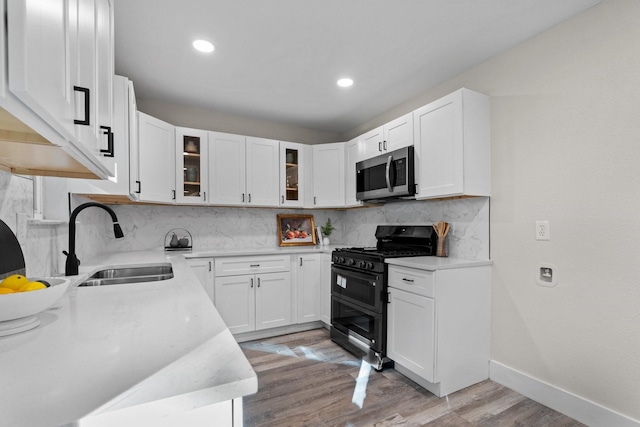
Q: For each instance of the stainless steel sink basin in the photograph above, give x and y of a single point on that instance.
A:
(117, 276)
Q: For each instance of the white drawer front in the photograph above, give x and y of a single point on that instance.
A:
(233, 266)
(419, 282)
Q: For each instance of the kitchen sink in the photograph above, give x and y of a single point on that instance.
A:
(122, 275)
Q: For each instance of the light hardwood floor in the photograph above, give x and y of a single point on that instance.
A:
(305, 379)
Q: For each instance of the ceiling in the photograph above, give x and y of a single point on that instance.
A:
(279, 60)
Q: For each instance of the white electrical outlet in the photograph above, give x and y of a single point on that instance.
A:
(542, 230)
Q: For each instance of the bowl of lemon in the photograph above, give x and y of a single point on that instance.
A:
(21, 299)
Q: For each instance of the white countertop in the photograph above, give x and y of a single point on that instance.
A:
(111, 347)
(433, 263)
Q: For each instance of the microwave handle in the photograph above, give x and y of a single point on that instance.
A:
(388, 174)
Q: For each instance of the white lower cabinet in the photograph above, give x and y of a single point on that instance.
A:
(249, 302)
(438, 326)
(203, 268)
(309, 288)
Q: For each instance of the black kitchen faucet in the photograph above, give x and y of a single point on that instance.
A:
(71, 266)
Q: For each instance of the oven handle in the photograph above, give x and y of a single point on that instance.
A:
(375, 277)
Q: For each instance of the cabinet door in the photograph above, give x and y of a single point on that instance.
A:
(119, 183)
(105, 71)
(372, 143)
(398, 133)
(328, 175)
(191, 177)
(292, 169)
(227, 176)
(439, 147)
(156, 150)
(203, 268)
(235, 301)
(352, 153)
(83, 12)
(411, 332)
(40, 45)
(273, 300)
(325, 289)
(263, 172)
(309, 288)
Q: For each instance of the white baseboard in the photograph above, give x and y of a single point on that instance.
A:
(576, 407)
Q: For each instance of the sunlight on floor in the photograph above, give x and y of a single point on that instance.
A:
(360, 390)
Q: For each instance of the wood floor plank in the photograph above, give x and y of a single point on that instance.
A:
(305, 379)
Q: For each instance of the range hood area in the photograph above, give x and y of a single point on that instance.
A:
(25, 151)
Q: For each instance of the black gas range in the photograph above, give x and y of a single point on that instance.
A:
(359, 288)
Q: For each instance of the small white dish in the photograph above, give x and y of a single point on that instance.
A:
(24, 304)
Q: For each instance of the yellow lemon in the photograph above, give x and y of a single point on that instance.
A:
(6, 291)
(14, 282)
(32, 286)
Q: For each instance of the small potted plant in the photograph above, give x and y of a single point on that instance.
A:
(326, 229)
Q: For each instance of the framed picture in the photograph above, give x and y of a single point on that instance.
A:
(296, 230)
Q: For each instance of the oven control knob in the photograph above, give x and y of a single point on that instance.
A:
(362, 264)
(340, 260)
(350, 262)
(335, 259)
(369, 266)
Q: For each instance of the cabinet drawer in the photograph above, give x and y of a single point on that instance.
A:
(233, 266)
(420, 282)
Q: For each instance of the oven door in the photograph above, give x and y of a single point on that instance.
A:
(366, 327)
(363, 288)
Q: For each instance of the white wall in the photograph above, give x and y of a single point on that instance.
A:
(202, 118)
(565, 123)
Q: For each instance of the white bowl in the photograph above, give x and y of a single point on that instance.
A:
(23, 304)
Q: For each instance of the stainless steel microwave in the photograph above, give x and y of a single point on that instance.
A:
(389, 175)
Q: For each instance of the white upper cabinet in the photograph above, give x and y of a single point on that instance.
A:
(328, 175)
(396, 134)
(352, 156)
(60, 66)
(243, 170)
(452, 146)
(156, 165)
(263, 160)
(292, 172)
(191, 156)
(118, 184)
(226, 169)
(41, 44)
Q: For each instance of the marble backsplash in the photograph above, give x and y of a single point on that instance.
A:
(42, 243)
(145, 226)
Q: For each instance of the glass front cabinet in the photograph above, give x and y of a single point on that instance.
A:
(191, 158)
(291, 174)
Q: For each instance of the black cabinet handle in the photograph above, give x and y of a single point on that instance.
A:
(139, 187)
(174, 194)
(242, 197)
(87, 111)
(282, 199)
(258, 282)
(380, 146)
(300, 261)
(249, 197)
(109, 151)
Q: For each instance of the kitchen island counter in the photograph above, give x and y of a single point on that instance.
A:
(156, 347)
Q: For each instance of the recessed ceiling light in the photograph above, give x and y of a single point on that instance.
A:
(203, 46)
(346, 82)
